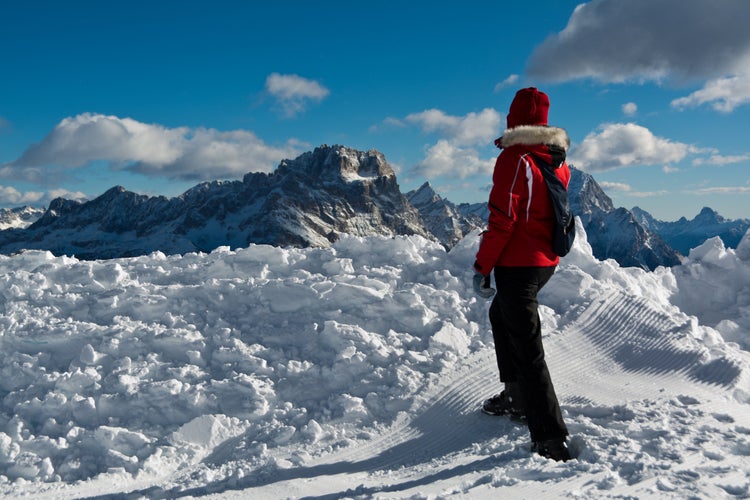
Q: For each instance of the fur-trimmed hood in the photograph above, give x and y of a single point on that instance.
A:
(530, 135)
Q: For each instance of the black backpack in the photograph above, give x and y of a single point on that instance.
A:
(565, 224)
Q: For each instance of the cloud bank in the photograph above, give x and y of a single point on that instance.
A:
(153, 150)
(616, 41)
(681, 41)
(293, 92)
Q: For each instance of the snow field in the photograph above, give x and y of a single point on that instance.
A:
(105, 362)
(295, 372)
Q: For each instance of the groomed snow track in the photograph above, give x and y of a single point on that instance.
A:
(447, 445)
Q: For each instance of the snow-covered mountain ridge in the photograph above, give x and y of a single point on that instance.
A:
(311, 201)
(308, 201)
(19, 217)
(684, 235)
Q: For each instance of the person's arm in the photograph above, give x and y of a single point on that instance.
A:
(503, 206)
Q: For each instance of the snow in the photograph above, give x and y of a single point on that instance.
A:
(357, 371)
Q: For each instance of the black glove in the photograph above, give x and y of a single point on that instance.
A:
(482, 286)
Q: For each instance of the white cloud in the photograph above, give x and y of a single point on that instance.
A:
(154, 150)
(293, 92)
(511, 80)
(638, 40)
(388, 123)
(454, 153)
(722, 190)
(647, 194)
(625, 190)
(723, 94)
(471, 129)
(10, 196)
(721, 160)
(614, 186)
(617, 145)
(630, 108)
(446, 158)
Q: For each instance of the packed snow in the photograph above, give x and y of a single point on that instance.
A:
(358, 370)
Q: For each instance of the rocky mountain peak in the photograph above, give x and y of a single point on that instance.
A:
(589, 195)
(424, 195)
(708, 216)
(338, 163)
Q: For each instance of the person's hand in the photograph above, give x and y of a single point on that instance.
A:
(482, 286)
(499, 142)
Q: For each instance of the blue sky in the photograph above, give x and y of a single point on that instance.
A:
(158, 96)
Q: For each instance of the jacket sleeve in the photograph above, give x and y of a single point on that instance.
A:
(503, 205)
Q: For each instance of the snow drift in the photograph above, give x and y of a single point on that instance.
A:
(356, 370)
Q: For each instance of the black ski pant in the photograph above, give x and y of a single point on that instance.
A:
(517, 332)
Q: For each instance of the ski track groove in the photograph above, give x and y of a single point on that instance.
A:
(618, 326)
(446, 419)
(441, 428)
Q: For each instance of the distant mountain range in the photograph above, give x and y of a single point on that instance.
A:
(310, 201)
(682, 235)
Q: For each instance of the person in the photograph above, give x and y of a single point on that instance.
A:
(517, 247)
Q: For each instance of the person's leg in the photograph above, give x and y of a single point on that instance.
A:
(517, 308)
(505, 365)
(509, 402)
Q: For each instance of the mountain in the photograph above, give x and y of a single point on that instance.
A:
(311, 201)
(616, 233)
(307, 201)
(448, 222)
(19, 217)
(683, 235)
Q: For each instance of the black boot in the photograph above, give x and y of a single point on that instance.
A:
(556, 449)
(510, 402)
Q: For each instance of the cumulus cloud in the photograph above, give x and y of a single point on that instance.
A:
(471, 129)
(455, 152)
(446, 158)
(639, 40)
(11, 196)
(617, 145)
(293, 92)
(154, 150)
(722, 94)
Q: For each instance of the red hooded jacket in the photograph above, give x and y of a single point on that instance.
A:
(521, 220)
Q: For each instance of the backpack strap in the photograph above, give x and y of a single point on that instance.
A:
(564, 233)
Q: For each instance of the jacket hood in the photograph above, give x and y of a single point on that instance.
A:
(550, 143)
(529, 135)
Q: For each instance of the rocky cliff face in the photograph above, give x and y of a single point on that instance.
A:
(445, 220)
(20, 217)
(615, 233)
(308, 201)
